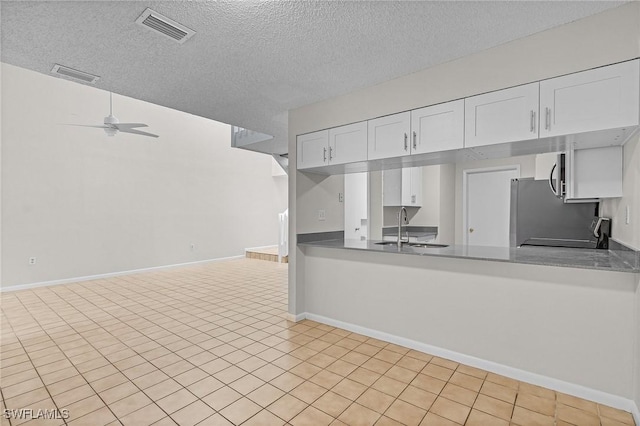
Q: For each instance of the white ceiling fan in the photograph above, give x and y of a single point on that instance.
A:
(112, 125)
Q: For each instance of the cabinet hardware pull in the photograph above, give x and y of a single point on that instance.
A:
(405, 142)
(330, 153)
(547, 118)
(533, 121)
(415, 140)
(324, 154)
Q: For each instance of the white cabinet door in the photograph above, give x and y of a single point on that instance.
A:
(313, 149)
(348, 144)
(389, 136)
(438, 127)
(594, 173)
(508, 115)
(402, 187)
(602, 98)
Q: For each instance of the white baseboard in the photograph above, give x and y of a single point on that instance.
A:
(260, 248)
(296, 318)
(504, 370)
(636, 413)
(110, 274)
(625, 244)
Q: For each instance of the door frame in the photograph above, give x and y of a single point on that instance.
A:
(465, 188)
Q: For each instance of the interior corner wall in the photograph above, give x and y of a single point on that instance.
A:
(319, 192)
(616, 208)
(86, 204)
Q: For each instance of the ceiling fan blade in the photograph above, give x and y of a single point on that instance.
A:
(86, 125)
(138, 132)
(130, 125)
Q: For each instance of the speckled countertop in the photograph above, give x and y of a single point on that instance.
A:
(607, 260)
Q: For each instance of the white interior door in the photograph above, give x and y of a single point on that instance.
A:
(486, 213)
(356, 206)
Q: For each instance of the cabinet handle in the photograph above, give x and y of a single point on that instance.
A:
(547, 118)
(330, 153)
(405, 142)
(415, 140)
(324, 154)
(533, 121)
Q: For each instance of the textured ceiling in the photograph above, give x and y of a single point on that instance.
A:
(250, 62)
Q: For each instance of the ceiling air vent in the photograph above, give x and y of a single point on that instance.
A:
(165, 26)
(74, 74)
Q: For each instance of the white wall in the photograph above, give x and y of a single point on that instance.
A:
(572, 325)
(84, 203)
(376, 211)
(446, 225)
(637, 347)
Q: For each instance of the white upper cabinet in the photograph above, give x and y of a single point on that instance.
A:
(340, 145)
(389, 136)
(589, 109)
(504, 116)
(601, 98)
(593, 173)
(313, 149)
(438, 128)
(348, 144)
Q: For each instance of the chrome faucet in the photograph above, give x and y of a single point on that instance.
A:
(400, 220)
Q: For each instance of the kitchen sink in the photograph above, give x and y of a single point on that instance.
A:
(416, 245)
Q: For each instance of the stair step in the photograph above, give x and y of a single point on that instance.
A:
(269, 254)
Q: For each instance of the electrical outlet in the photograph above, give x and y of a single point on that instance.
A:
(32, 261)
(340, 197)
(322, 214)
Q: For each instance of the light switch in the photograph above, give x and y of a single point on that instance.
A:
(627, 215)
(322, 214)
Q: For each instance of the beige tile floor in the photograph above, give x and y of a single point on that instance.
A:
(209, 345)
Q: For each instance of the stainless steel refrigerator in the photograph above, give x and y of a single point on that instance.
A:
(539, 218)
